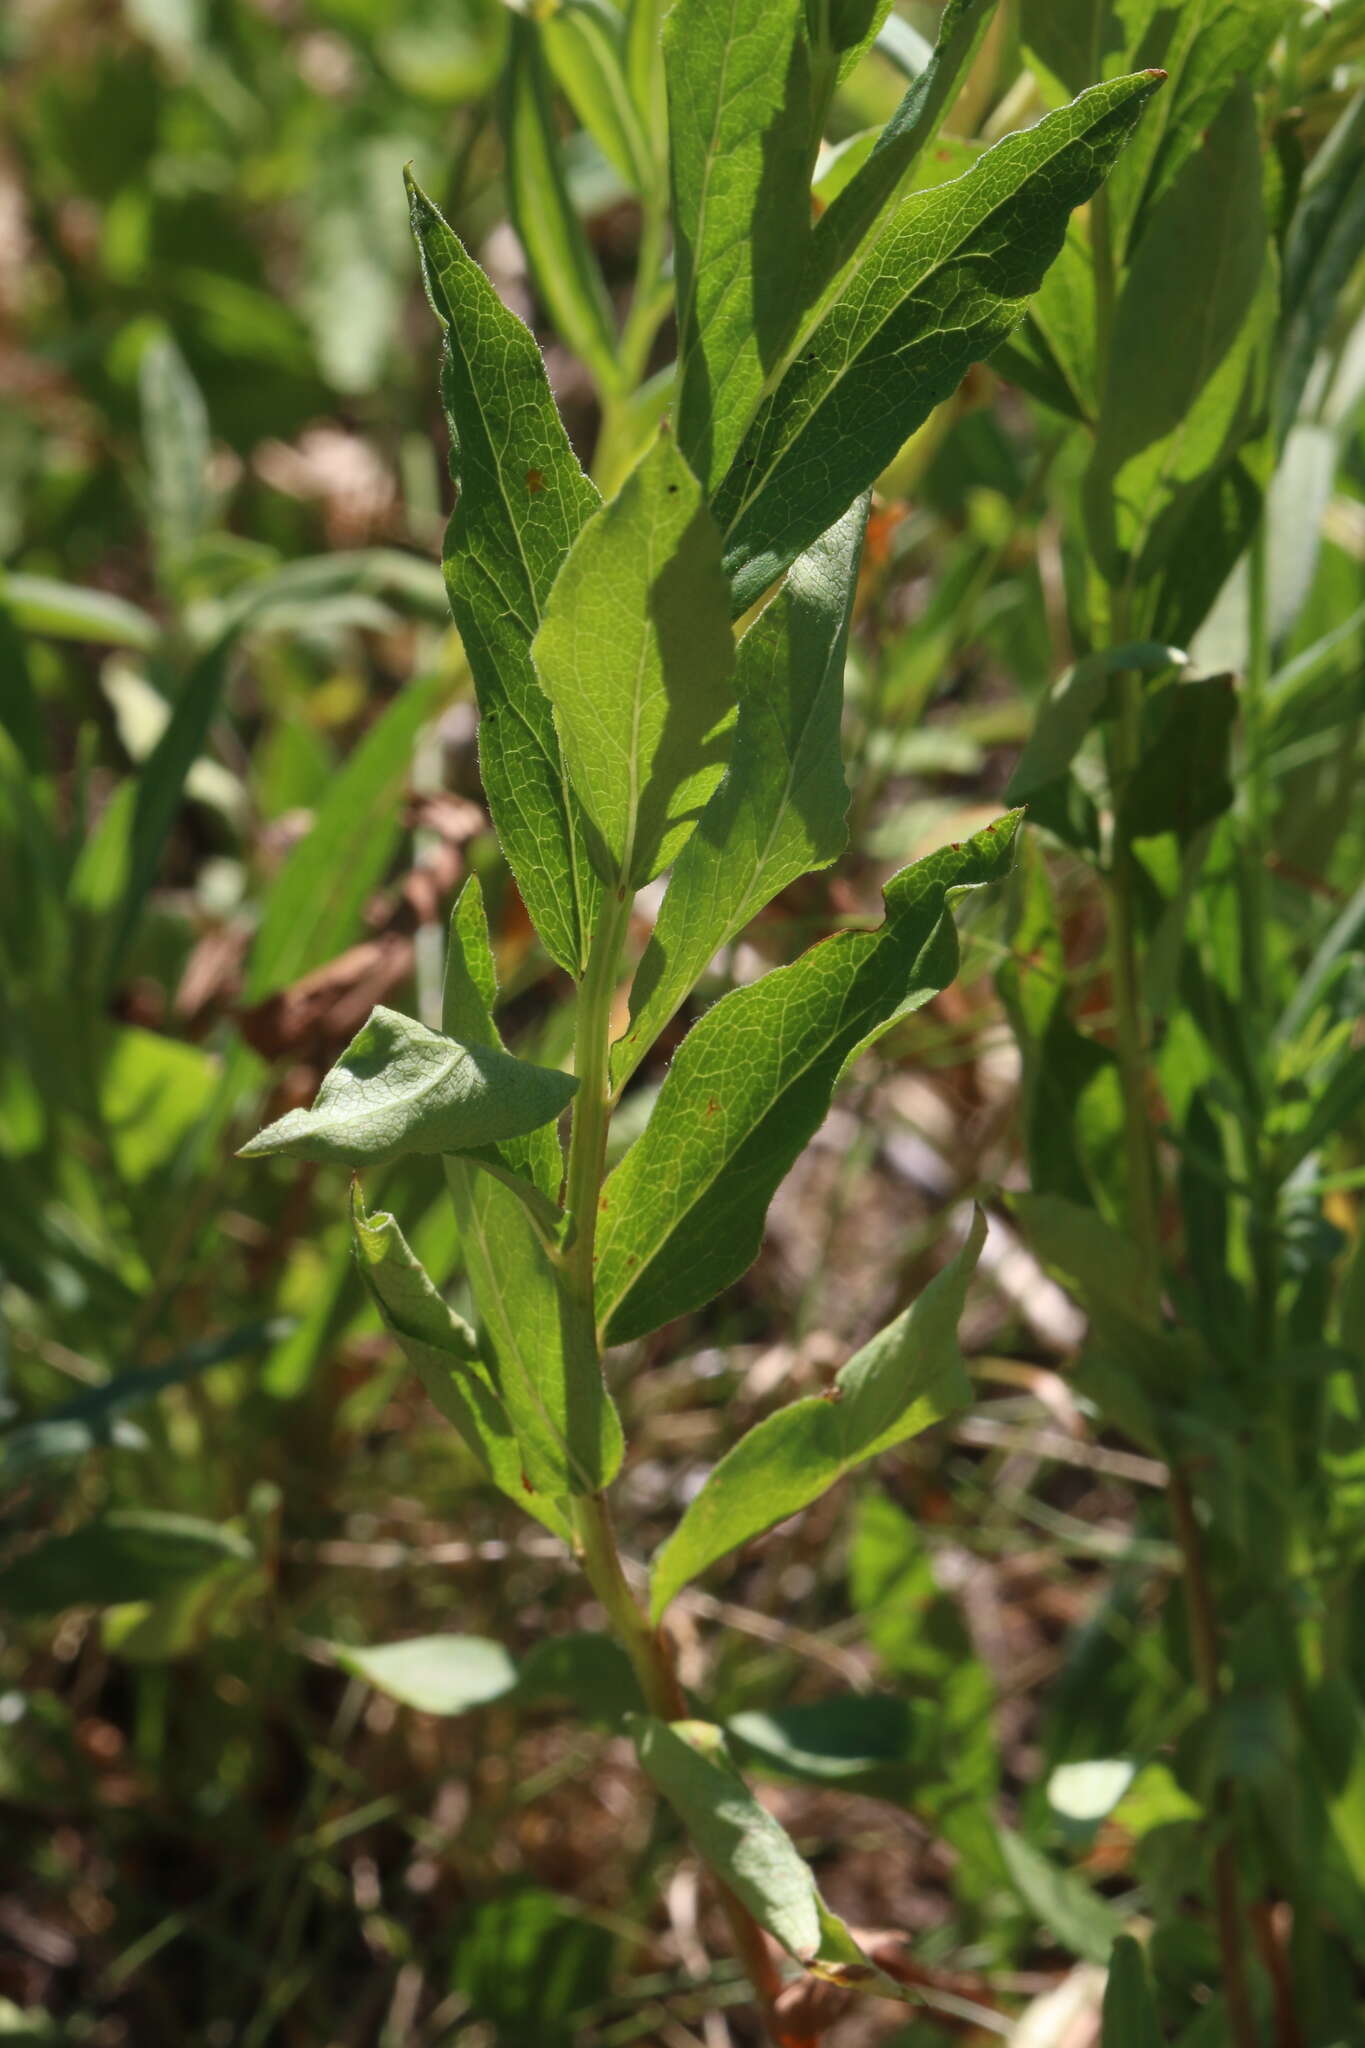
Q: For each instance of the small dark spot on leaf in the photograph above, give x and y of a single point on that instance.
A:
(526, 1484)
(955, 845)
(535, 481)
(672, 490)
(632, 1258)
(712, 1106)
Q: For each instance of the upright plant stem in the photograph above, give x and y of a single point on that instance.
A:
(1144, 1210)
(594, 1532)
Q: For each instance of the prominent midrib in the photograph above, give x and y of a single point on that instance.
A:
(728, 1156)
(839, 289)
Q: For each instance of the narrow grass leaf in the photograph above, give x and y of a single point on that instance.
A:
(635, 653)
(63, 611)
(910, 1376)
(175, 438)
(938, 286)
(780, 809)
(522, 501)
(682, 1216)
(313, 909)
(400, 1088)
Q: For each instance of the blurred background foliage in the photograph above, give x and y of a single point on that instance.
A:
(237, 789)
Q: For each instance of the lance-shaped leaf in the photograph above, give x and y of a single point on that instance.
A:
(444, 1353)
(549, 1380)
(936, 288)
(1185, 390)
(740, 133)
(635, 654)
(585, 41)
(780, 809)
(844, 224)
(682, 1216)
(910, 1376)
(400, 1088)
(1130, 2016)
(523, 499)
(749, 1851)
(563, 268)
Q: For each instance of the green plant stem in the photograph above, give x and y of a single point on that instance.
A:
(1143, 1207)
(1203, 1629)
(594, 1532)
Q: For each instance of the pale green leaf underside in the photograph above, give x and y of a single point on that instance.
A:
(443, 1351)
(400, 1088)
(434, 1674)
(936, 288)
(780, 810)
(908, 1377)
(522, 501)
(635, 655)
(749, 1851)
(682, 1216)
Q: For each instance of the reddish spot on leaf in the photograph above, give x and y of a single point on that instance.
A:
(534, 481)
(712, 1106)
(526, 1484)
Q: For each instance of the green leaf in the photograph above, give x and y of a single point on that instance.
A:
(400, 1088)
(175, 435)
(746, 1848)
(635, 653)
(1185, 390)
(751, 1854)
(845, 223)
(780, 810)
(550, 1381)
(1075, 1915)
(435, 1674)
(40, 604)
(1075, 707)
(740, 122)
(939, 286)
(682, 1216)
(523, 499)
(1182, 781)
(1321, 249)
(1130, 2018)
(585, 42)
(863, 1740)
(128, 1554)
(563, 268)
(93, 1418)
(313, 909)
(910, 1376)
(444, 1353)
(468, 1000)
(591, 1672)
(565, 1421)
